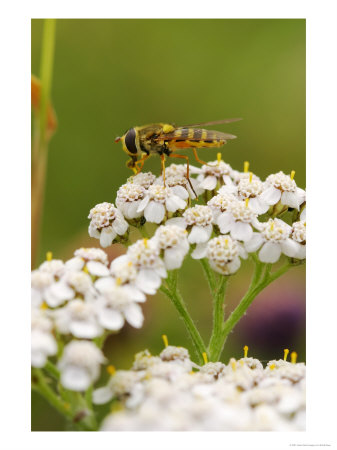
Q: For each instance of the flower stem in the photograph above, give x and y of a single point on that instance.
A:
(174, 295)
(45, 390)
(66, 407)
(46, 71)
(218, 314)
(257, 285)
(210, 275)
(40, 139)
(53, 370)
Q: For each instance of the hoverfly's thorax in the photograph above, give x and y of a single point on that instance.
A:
(130, 142)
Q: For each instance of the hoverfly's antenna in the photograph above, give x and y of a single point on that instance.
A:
(117, 139)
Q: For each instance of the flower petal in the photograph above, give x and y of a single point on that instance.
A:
(154, 212)
(200, 251)
(148, 281)
(209, 183)
(111, 319)
(180, 191)
(173, 258)
(108, 234)
(234, 265)
(75, 378)
(290, 199)
(120, 226)
(270, 252)
(85, 329)
(241, 231)
(75, 263)
(291, 248)
(271, 195)
(97, 268)
(254, 243)
(134, 315)
(102, 395)
(105, 283)
(179, 221)
(258, 205)
(224, 222)
(143, 204)
(173, 203)
(199, 234)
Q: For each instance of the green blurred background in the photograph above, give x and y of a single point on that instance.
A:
(110, 75)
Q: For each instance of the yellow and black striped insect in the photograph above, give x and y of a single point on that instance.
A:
(165, 139)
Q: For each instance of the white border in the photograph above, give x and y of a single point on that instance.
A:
(321, 167)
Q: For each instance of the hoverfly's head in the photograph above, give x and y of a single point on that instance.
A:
(129, 141)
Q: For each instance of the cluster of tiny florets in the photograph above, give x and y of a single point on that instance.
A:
(217, 213)
(171, 393)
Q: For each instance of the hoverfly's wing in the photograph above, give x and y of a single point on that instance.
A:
(196, 134)
(206, 124)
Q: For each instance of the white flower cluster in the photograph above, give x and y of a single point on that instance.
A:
(84, 297)
(167, 393)
(239, 217)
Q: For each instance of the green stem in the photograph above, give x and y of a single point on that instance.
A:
(218, 314)
(52, 369)
(210, 275)
(46, 71)
(40, 140)
(45, 390)
(255, 288)
(174, 295)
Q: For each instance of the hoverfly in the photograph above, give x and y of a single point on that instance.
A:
(165, 139)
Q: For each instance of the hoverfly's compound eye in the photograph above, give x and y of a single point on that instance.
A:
(130, 141)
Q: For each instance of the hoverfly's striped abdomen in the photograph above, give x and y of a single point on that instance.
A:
(196, 137)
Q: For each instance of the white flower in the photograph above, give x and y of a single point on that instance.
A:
(144, 179)
(298, 235)
(41, 283)
(253, 188)
(220, 203)
(159, 199)
(124, 273)
(43, 343)
(144, 360)
(114, 305)
(165, 395)
(106, 223)
(238, 176)
(80, 365)
(303, 215)
(274, 239)
(212, 173)
(239, 220)
(145, 255)
(198, 220)
(213, 369)
(55, 267)
(71, 284)
(281, 187)
(94, 260)
(121, 385)
(79, 319)
(224, 254)
(179, 185)
(128, 200)
(173, 241)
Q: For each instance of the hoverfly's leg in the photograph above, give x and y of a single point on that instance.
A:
(141, 162)
(175, 155)
(131, 164)
(162, 157)
(197, 157)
